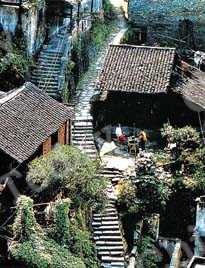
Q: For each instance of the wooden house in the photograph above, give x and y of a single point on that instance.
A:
(136, 86)
(31, 124)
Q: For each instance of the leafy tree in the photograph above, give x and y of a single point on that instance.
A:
(71, 172)
(151, 188)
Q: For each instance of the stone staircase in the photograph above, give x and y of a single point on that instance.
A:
(106, 229)
(82, 137)
(47, 70)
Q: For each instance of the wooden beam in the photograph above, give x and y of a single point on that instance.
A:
(62, 134)
(47, 146)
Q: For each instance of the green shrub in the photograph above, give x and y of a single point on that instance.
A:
(108, 8)
(148, 253)
(72, 173)
(61, 230)
(31, 245)
(82, 246)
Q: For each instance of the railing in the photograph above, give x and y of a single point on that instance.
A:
(64, 64)
(62, 47)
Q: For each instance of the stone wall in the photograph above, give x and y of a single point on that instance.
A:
(95, 5)
(163, 21)
(33, 24)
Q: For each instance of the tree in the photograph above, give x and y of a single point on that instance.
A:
(67, 170)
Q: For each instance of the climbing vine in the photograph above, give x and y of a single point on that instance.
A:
(33, 247)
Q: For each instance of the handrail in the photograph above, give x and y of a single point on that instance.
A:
(64, 65)
(59, 48)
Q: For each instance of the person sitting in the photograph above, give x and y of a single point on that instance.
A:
(142, 137)
(122, 138)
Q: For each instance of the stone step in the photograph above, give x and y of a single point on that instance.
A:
(49, 63)
(42, 82)
(107, 232)
(40, 73)
(105, 223)
(82, 132)
(106, 210)
(113, 265)
(80, 124)
(50, 58)
(112, 259)
(110, 248)
(110, 204)
(51, 52)
(111, 172)
(99, 227)
(105, 218)
(46, 56)
(39, 78)
(109, 243)
(114, 213)
(85, 146)
(107, 238)
(111, 253)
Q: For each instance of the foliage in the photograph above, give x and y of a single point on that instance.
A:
(127, 196)
(16, 61)
(14, 67)
(82, 245)
(148, 253)
(73, 173)
(33, 247)
(25, 225)
(189, 155)
(130, 36)
(61, 222)
(108, 10)
(99, 32)
(159, 175)
(186, 138)
(151, 189)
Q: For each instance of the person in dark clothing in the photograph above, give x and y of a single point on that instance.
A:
(142, 137)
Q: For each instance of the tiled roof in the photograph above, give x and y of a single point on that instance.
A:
(28, 117)
(137, 69)
(193, 90)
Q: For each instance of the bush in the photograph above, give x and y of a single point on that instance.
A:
(14, 67)
(148, 253)
(151, 188)
(71, 172)
(31, 245)
(99, 32)
(186, 138)
(82, 246)
(108, 8)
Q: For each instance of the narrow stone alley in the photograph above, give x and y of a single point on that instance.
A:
(106, 225)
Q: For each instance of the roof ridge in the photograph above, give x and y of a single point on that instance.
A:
(135, 46)
(15, 92)
(10, 95)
